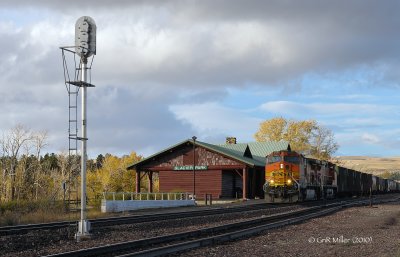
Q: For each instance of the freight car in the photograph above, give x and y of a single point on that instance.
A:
(392, 187)
(291, 177)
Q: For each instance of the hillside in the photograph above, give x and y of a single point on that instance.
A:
(374, 165)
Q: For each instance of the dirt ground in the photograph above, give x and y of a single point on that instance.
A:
(354, 232)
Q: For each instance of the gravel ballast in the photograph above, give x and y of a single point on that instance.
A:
(353, 232)
(38, 243)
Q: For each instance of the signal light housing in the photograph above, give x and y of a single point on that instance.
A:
(85, 36)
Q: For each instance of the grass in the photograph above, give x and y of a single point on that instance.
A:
(23, 212)
(374, 165)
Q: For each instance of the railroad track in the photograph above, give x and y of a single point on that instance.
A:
(103, 222)
(163, 245)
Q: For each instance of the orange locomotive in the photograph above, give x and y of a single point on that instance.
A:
(282, 173)
(290, 177)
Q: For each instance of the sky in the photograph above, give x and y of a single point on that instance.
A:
(168, 70)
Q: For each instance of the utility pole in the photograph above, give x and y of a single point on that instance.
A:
(194, 167)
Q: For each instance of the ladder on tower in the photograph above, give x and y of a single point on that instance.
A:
(73, 86)
(73, 93)
(73, 119)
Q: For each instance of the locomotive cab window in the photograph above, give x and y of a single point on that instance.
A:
(292, 159)
(273, 159)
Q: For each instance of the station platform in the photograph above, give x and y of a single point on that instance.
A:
(200, 205)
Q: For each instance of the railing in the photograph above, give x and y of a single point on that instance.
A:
(129, 196)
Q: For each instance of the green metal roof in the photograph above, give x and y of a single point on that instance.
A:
(236, 153)
(258, 151)
(261, 149)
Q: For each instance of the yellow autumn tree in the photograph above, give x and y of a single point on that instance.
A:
(112, 176)
(271, 130)
(307, 136)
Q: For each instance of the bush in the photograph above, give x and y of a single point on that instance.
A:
(15, 212)
(24, 212)
(9, 219)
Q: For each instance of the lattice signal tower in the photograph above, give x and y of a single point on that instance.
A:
(84, 50)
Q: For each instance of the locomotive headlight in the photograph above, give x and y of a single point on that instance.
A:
(272, 181)
(289, 181)
(281, 166)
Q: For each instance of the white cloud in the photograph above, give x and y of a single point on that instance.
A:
(331, 109)
(214, 120)
(370, 138)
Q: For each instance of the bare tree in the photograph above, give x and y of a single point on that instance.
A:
(11, 146)
(39, 141)
(4, 160)
(324, 144)
(62, 160)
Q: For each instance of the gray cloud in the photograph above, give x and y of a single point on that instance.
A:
(122, 120)
(153, 55)
(207, 42)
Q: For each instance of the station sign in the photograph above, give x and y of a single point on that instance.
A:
(190, 167)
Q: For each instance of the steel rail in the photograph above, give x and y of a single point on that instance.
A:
(185, 246)
(9, 230)
(177, 215)
(237, 229)
(103, 222)
(246, 232)
(207, 236)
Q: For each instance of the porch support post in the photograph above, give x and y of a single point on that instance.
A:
(137, 181)
(150, 174)
(245, 181)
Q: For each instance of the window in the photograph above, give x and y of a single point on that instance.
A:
(292, 159)
(272, 159)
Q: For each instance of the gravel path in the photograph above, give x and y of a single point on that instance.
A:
(51, 242)
(354, 232)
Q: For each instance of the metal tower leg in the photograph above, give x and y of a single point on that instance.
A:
(72, 138)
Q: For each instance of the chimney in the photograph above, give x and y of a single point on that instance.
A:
(231, 140)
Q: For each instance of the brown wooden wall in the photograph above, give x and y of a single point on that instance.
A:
(207, 181)
(184, 156)
(223, 179)
(225, 184)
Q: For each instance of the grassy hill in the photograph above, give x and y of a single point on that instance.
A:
(374, 165)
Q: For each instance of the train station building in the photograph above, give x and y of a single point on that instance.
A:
(228, 170)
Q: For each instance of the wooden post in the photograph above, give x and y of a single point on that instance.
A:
(150, 181)
(245, 178)
(138, 181)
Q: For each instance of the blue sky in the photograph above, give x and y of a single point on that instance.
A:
(168, 70)
(364, 118)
